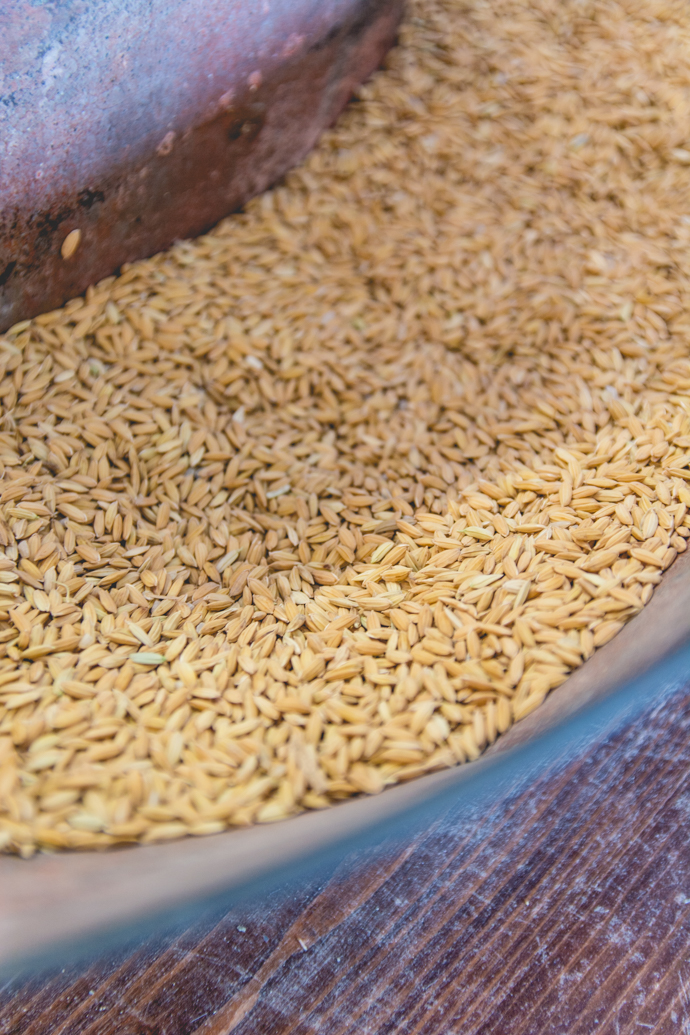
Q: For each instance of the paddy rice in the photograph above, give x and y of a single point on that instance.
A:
(329, 497)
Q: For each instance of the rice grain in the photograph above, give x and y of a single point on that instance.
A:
(329, 497)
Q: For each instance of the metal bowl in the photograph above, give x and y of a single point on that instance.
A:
(193, 106)
(54, 905)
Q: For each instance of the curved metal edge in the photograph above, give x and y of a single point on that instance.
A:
(135, 186)
(53, 907)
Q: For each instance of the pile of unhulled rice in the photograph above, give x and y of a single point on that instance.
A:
(330, 497)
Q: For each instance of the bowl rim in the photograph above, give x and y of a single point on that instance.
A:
(67, 904)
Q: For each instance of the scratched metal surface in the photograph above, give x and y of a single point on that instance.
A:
(142, 121)
(561, 907)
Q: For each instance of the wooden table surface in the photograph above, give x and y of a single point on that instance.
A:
(563, 907)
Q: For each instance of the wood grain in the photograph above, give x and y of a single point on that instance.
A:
(563, 907)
